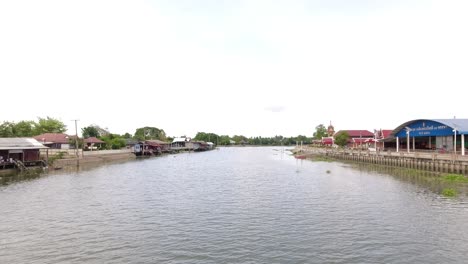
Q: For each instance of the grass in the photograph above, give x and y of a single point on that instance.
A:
(322, 158)
(449, 192)
(57, 156)
(454, 178)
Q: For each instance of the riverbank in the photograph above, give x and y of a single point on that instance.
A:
(92, 159)
(434, 162)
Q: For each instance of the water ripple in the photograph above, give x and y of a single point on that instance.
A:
(235, 205)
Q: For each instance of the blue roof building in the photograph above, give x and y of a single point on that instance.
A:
(431, 134)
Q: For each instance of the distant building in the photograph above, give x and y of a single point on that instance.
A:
(327, 141)
(330, 130)
(92, 143)
(179, 143)
(442, 135)
(357, 138)
(54, 140)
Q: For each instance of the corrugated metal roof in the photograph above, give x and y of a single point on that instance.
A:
(20, 143)
(181, 139)
(459, 124)
(157, 142)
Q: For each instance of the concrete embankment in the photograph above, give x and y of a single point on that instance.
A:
(93, 159)
(435, 162)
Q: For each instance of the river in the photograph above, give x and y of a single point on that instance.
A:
(233, 205)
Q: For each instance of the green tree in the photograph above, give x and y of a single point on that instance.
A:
(207, 137)
(25, 129)
(114, 141)
(90, 131)
(303, 139)
(49, 125)
(342, 139)
(7, 129)
(145, 133)
(224, 140)
(72, 142)
(239, 139)
(320, 131)
(127, 135)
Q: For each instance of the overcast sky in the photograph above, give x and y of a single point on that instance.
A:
(256, 68)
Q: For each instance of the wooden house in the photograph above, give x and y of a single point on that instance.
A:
(164, 146)
(20, 152)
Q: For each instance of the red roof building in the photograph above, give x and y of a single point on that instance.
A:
(327, 141)
(92, 143)
(386, 133)
(54, 140)
(357, 133)
(357, 138)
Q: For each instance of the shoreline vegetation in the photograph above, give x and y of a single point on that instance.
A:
(452, 183)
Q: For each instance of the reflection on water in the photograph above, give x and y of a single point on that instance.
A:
(35, 173)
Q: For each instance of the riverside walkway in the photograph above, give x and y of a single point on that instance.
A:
(421, 160)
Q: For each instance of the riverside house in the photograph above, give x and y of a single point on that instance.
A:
(20, 152)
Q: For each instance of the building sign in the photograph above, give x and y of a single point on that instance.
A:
(426, 128)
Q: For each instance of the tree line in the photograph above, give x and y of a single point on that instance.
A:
(30, 128)
(225, 140)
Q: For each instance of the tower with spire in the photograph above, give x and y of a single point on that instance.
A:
(330, 130)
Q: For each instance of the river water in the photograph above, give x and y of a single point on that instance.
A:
(233, 205)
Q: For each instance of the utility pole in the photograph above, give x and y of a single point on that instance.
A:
(76, 141)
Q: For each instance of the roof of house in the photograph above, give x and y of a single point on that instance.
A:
(155, 141)
(357, 133)
(53, 138)
(386, 132)
(181, 139)
(20, 143)
(93, 140)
